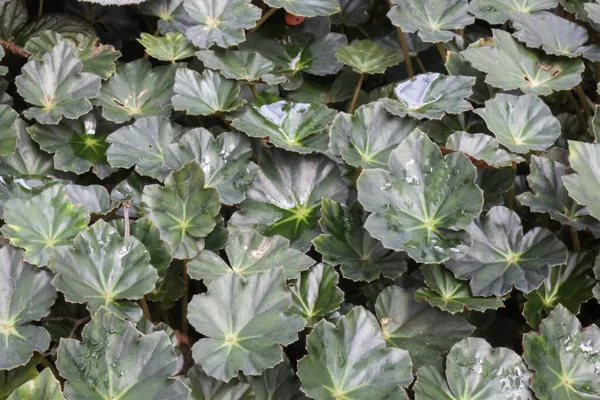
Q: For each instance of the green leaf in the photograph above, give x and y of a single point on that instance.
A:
(352, 13)
(24, 189)
(184, 210)
(45, 387)
(568, 285)
(502, 257)
(171, 47)
(94, 197)
(56, 86)
(150, 143)
(347, 243)
(220, 22)
(103, 269)
(285, 198)
(456, 64)
(297, 127)
(46, 222)
(130, 190)
(499, 11)
(27, 160)
(434, 21)
(430, 96)
(315, 293)
(8, 131)
(205, 94)
(250, 253)
(418, 205)
(245, 324)
(350, 361)
(115, 2)
(367, 138)
(475, 370)
(307, 8)
(495, 183)
(482, 147)
(206, 388)
(584, 184)
(13, 378)
(565, 358)
(510, 65)
(521, 123)
(13, 15)
(240, 65)
(26, 295)
(71, 27)
(77, 145)
(279, 382)
(426, 332)
(450, 294)
(137, 90)
(596, 289)
(115, 360)
(96, 58)
(367, 57)
(596, 124)
(549, 195)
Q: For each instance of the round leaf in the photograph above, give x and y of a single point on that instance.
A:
(482, 147)
(240, 65)
(307, 8)
(27, 160)
(171, 47)
(367, 57)
(584, 184)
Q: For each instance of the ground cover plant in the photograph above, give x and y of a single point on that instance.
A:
(299, 199)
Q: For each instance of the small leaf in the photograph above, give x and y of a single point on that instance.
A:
(352, 13)
(501, 256)
(26, 295)
(95, 198)
(450, 294)
(245, 324)
(171, 47)
(240, 65)
(205, 94)
(8, 131)
(56, 86)
(307, 8)
(499, 11)
(206, 388)
(13, 378)
(482, 147)
(13, 15)
(46, 222)
(584, 184)
(351, 361)
(115, 2)
(279, 382)
(564, 356)
(45, 387)
(430, 95)
(495, 183)
(521, 123)
(367, 57)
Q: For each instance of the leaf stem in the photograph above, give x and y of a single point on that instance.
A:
(510, 198)
(145, 308)
(41, 8)
(420, 64)
(356, 93)
(13, 48)
(442, 50)
(585, 102)
(575, 239)
(577, 108)
(409, 67)
(264, 18)
(253, 89)
(184, 298)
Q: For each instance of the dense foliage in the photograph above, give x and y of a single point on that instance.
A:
(299, 199)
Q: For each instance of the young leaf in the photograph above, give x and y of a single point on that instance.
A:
(430, 96)
(367, 138)
(171, 47)
(205, 94)
(56, 86)
(46, 222)
(502, 257)
(307, 8)
(434, 21)
(240, 65)
(475, 370)
(482, 147)
(347, 243)
(45, 387)
(367, 57)
(184, 210)
(564, 356)
(351, 361)
(26, 295)
(418, 205)
(245, 324)
(584, 184)
(450, 294)
(521, 123)
(115, 360)
(499, 11)
(250, 253)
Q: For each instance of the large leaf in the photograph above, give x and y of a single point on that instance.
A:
(297, 127)
(430, 95)
(345, 242)
(285, 197)
(206, 388)
(434, 21)
(171, 47)
(184, 210)
(24, 189)
(499, 11)
(103, 269)
(150, 144)
(45, 387)
(237, 64)
(220, 22)
(250, 253)
(426, 332)
(475, 370)
(367, 138)
(350, 361)
(584, 184)
(46, 222)
(482, 147)
(245, 324)
(115, 360)
(367, 57)
(550, 195)
(205, 94)
(26, 295)
(450, 294)
(56, 86)
(510, 65)
(521, 123)
(27, 160)
(307, 8)
(565, 358)
(502, 256)
(418, 205)
(137, 90)
(8, 130)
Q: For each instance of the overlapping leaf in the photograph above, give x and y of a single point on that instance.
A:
(45, 386)
(367, 57)
(171, 47)
(482, 147)
(237, 64)
(584, 184)
(498, 11)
